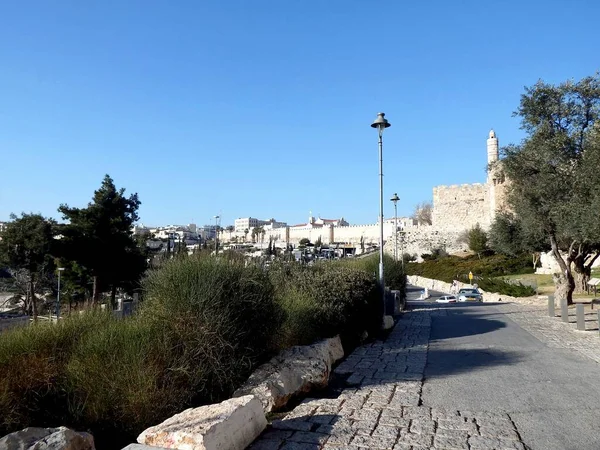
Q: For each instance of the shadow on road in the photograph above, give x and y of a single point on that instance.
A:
(449, 362)
(465, 326)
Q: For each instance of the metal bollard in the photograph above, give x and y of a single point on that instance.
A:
(551, 312)
(580, 313)
(564, 310)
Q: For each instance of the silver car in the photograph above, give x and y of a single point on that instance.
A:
(446, 299)
(469, 295)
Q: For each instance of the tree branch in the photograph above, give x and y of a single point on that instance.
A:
(592, 261)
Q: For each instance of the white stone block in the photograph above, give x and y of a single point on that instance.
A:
(232, 424)
(61, 438)
(388, 322)
(293, 371)
(142, 447)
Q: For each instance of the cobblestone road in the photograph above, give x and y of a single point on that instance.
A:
(381, 406)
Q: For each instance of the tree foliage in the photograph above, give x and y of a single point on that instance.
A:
(26, 248)
(511, 236)
(99, 238)
(304, 241)
(422, 213)
(477, 240)
(553, 174)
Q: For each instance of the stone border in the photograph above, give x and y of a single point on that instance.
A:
(442, 286)
(236, 422)
(293, 371)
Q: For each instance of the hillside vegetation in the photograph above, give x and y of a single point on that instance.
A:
(203, 326)
(487, 271)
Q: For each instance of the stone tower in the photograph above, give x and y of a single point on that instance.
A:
(492, 172)
(492, 147)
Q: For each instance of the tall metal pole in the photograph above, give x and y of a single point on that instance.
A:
(402, 250)
(381, 124)
(395, 231)
(60, 269)
(381, 278)
(216, 234)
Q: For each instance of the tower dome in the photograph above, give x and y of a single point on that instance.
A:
(492, 134)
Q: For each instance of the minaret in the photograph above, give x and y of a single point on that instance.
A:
(492, 157)
(492, 147)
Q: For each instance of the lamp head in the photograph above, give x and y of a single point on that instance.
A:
(395, 198)
(381, 123)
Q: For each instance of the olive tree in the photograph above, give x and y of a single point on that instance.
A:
(554, 178)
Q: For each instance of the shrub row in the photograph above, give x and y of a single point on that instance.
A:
(325, 300)
(484, 270)
(203, 327)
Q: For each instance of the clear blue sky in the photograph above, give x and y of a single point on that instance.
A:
(263, 108)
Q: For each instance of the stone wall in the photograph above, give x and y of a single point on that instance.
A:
(424, 239)
(350, 234)
(413, 240)
(442, 286)
(460, 207)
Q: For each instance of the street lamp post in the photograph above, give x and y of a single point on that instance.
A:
(402, 236)
(217, 234)
(381, 124)
(60, 269)
(395, 200)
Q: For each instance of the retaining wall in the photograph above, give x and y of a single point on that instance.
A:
(442, 286)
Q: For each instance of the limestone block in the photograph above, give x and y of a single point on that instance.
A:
(142, 447)
(388, 322)
(232, 424)
(61, 438)
(295, 370)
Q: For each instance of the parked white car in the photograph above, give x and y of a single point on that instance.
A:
(469, 295)
(446, 299)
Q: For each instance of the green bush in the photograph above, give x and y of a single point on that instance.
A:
(222, 311)
(203, 328)
(393, 274)
(503, 287)
(485, 270)
(324, 300)
(33, 379)
(204, 325)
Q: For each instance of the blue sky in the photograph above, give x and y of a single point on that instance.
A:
(263, 108)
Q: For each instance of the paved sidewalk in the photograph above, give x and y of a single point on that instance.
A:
(555, 333)
(382, 406)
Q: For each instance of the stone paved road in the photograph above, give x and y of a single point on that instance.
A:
(474, 377)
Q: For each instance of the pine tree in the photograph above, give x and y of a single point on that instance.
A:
(99, 238)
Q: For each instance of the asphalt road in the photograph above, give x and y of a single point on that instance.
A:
(480, 360)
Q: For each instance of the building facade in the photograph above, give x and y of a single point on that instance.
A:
(248, 223)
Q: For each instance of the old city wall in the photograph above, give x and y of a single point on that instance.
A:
(351, 234)
(413, 240)
(424, 239)
(461, 207)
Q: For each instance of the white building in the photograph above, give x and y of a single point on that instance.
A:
(179, 232)
(247, 223)
(320, 223)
